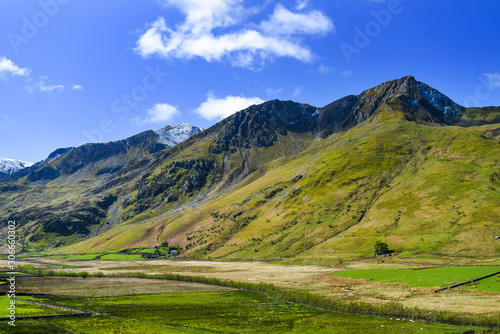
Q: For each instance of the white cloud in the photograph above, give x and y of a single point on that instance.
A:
(284, 22)
(493, 79)
(346, 73)
(8, 67)
(297, 91)
(214, 108)
(324, 69)
(301, 4)
(216, 30)
(271, 91)
(160, 113)
(45, 85)
(5, 120)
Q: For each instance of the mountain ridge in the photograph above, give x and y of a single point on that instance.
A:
(150, 141)
(266, 158)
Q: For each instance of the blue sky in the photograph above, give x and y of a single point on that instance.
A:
(76, 71)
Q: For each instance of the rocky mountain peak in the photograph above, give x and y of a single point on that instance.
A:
(417, 97)
(260, 125)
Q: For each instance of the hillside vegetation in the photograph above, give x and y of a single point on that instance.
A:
(284, 179)
(420, 188)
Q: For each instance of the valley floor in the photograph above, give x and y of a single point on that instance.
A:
(211, 312)
(375, 282)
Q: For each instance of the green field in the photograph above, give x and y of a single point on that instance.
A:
(171, 301)
(25, 309)
(144, 250)
(121, 257)
(83, 256)
(431, 277)
(110, 256)
(216, 312)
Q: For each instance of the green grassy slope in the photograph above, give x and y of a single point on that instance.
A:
(420, 188)
(481, 116)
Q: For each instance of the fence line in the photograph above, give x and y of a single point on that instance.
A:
(471, 281)
(74, 311)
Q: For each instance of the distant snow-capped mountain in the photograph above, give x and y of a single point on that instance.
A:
(95, 155)
(9, 166)
(173, 135)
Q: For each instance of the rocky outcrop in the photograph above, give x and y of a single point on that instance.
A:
(177, 179)
(417, 96)
(337, 115)
(494, 134)
(260, 125)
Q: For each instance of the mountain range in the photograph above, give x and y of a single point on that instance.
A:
(400, 162)
(10, 166)
(123, 150)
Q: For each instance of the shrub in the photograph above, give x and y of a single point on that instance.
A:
(83, 274)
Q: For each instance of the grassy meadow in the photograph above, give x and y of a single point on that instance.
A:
(248, 297)
(214, 312)
(25, 309)
(438, 277)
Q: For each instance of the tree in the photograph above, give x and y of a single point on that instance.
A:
(381, 248)
(160, 251)
(164, 243)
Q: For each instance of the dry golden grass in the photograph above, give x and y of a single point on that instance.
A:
(457, 301)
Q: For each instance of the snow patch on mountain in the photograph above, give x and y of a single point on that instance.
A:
(9, 166)
(440, 101)
(57, 153)
(172, 136)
